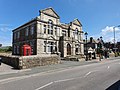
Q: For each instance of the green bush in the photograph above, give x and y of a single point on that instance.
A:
(6, 49)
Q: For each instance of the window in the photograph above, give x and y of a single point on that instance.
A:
(45, 29)
(77, 48)
(18, 34)
(51, 47)
(76, 31)
(51, 32)
(17, 49)
(73, 34)
(56, 31)
(45, 43)
(27, 30)
(14, 49)
(50, 27)
(14, 36)
(63, 33)
(32, 46)
(80, 36)
(48, 31)
(32, 30)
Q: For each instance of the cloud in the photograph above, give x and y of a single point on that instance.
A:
(5, 27)
(108, 29)
(5, 34)
(108, 33)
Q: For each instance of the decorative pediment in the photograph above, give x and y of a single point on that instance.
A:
(90, 49)
(77, 22)
(50, 12)
(51, 38)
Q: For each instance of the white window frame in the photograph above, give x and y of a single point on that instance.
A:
(49, 45)
(32, 29)
(50, 27)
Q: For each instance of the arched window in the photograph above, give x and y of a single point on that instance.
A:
(68, 49)
(76, 31)
(50, 27)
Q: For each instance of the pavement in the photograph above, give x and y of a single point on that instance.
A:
(7, 71)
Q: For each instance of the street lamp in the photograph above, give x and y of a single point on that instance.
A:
(86, 46)
(114, 38)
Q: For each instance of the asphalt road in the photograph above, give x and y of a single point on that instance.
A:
(97, 76)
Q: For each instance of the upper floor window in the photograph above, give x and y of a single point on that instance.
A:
(63, 33)
(32, 29)
(45, 29)
(50, 27)
(18, 34)
(27, 30)
(55, 30)
(76, 31)
(15, 36)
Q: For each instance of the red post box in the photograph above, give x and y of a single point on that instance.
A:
(26, 50)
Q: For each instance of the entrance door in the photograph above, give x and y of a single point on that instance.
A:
(68, 49)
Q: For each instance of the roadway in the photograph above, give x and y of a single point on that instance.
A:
(96, 76)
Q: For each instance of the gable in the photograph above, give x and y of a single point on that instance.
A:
(50, 12)
(77, 22)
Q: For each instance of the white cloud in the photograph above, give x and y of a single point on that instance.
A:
(108, 29)
(5, 27)
(108, 33)
(5, 34)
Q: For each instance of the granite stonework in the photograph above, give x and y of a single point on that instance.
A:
(33, 61)
(23, 62)
(45, 34)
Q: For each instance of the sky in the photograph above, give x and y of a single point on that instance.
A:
(98, 17)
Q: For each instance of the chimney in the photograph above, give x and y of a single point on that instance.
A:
(91, 38)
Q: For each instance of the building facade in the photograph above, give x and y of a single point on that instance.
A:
(47, 35)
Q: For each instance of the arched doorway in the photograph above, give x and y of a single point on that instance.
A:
(68, 49)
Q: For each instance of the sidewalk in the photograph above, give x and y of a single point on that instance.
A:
(6, 69)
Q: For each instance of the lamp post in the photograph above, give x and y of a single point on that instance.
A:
(114, 38)
(86, 46)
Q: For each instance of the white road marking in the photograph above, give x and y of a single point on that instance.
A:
(44, 86)
(108, 67)
(64, 80)
(4, 81)
(87, 74)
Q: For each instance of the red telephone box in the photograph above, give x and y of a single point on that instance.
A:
(26, 50)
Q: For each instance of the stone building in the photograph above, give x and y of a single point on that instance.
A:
(47, 35)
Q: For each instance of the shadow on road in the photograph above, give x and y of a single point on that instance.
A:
(115, 86)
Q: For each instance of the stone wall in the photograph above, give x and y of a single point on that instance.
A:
(33, 61)
(23, 62)
(10, 60)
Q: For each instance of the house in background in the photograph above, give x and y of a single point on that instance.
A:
(92, 46)
(46, 35)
